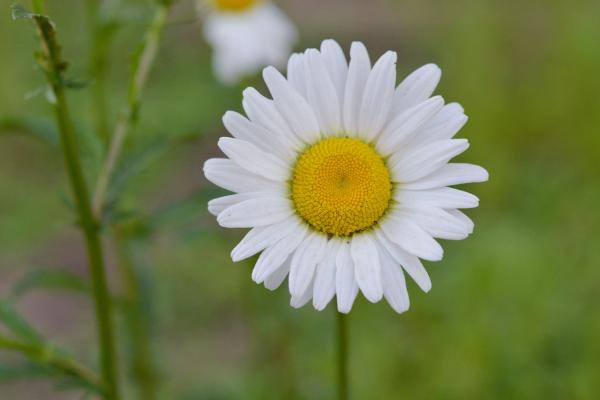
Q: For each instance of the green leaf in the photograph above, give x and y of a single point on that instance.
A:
(49, 279)
(73, 83)
(38, 128)
(17, 324)
(26, 370)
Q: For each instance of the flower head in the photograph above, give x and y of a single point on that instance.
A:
(246, 35)
(343, 177)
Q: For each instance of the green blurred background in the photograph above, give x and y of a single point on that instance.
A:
(514, 312)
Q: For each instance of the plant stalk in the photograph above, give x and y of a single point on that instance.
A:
(128, 119)
(342, 359)
(52, 64)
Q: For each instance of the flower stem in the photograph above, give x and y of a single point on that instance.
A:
(128, 119)
(53, 65)
(342, 359)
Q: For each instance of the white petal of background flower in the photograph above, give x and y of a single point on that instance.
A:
(244, 42)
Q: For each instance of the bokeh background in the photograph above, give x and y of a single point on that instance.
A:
(515, 310)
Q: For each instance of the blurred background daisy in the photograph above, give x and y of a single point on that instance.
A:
(515, 311)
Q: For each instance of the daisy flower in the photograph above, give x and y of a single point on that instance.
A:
(343, 177)
(246, 35)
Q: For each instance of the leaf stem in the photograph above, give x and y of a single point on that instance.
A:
(52, 64)
(342, 359)
(128, 119)
(46, 355)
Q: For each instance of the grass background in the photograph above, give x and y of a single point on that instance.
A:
(514, 312)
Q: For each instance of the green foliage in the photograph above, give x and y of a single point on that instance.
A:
(49, 279)
(15, 323)
(39, 128)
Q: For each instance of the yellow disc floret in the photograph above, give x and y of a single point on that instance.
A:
(234, 5)
(341, 186)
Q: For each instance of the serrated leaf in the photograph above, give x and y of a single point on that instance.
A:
(49, 279)
(17, 324)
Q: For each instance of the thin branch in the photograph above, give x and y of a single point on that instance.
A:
(128, 118)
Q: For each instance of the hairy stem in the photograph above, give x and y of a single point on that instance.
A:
(52, 64)
(128, 118)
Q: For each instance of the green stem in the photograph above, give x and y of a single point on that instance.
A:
(143, 365)
(342, 359)
(51, 62)
(46, 355)
(128, 117)
(101, 35)
(39, 6)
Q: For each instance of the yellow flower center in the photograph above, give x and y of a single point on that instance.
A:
(341, 186)
(234, 5)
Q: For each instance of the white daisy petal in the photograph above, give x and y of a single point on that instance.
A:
(449, 175)
(401, 230)
(444, 125)
(216, 206)
(273, 257)
(248, 39)
(263, 112)
(253, 159)
(336, 65)
(242, 128)
(276, 278)
(394, 284)
(295, 73)
(262, 237)
(228, 175)
(256, 212)
(441, 197)
(416, 87)
(310, 252)
(377, 97)
(406, 125)
(321, 93)
(358, 73)
(303, 299)
(324, 285)
(367, 268)
(410, 263)
(461, 216)
(423, 161)
(346, 287)
(292, 106)
(437, 222)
